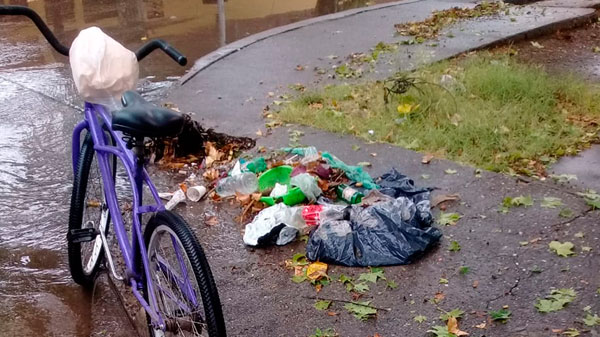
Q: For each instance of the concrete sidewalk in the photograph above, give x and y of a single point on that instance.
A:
(228, 89)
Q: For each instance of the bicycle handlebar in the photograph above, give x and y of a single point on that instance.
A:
(62, 49)
(164, 46)
(41, 25)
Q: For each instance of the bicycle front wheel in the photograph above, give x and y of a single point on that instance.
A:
(88, 211)
(183, 284)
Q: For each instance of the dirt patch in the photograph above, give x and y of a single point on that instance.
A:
(573, 51)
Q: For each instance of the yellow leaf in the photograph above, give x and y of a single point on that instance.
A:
(316, 270)
(405, 108)
(453, 327)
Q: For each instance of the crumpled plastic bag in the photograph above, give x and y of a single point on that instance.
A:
(394, 229)
(102, 68)
(278, 224)
(308, 185)
(387, 233)
(355, 173)
(396, 184)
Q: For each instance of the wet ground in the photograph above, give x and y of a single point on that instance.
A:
(38, 106)
(571, 52)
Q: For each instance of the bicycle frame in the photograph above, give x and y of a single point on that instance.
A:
(97, 122)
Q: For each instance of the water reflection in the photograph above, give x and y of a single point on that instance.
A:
(196, 27)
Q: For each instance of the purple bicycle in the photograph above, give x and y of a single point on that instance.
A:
(165, 265)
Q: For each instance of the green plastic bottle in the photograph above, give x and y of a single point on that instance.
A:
(349, 194)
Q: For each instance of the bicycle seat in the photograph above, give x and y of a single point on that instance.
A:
(140, 118)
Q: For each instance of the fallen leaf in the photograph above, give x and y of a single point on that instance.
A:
(427, 158)
(453, 327)
(481, 326)
(564, 249)
(475, 284)
(448, 219)
(440, 198)
(316, 270)
(454, 246)
(420, 319)
(332, 313)
(438, 297)
(361, 310)
(211, 221)
(572, 332)
(322, 305)
(259, 133)
(536, 45)
(211, 174)
(550, 202)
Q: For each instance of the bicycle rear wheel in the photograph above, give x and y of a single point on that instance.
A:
(184, 287)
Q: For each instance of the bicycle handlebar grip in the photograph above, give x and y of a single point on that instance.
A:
(175, 55)
(160, 44)
(41, 25)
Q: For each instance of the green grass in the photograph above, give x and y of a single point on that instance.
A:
(499, 114)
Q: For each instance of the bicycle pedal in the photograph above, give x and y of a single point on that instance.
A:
(82, 235)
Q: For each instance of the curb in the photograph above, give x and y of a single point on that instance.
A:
(538, 31)
(208, 59)
(219, 54)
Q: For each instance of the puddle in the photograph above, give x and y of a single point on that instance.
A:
(39, 108)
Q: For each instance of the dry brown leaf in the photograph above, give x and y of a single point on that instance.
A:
(453, 327)
(557, 330)
(211, 221)
(481, 326)
(243, 199)
(427, 158)
(439, 296)
(332, 313)
(316, 270)
(318, 287)
(211, 174)
(475, 284)
(298, 270)
(440, 198)
(535, 240)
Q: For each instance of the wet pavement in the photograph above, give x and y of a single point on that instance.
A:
(39, 108)
(510, 265)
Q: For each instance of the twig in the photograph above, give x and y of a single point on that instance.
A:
(345, 301)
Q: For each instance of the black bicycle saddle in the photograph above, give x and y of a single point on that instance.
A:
(139, 118)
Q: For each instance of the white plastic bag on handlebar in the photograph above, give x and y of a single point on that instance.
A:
(102, 68)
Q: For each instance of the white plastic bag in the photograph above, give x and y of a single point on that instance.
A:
(102, 68)
(277, 224)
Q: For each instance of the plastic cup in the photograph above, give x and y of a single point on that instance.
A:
(195, 193)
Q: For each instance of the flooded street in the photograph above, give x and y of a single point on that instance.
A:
(39, 107)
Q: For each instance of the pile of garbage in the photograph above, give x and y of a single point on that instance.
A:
(352, 219)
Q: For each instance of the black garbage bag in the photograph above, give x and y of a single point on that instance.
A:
(395, 184)
(391, 232)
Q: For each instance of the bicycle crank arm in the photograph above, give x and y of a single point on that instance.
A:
(103, 225)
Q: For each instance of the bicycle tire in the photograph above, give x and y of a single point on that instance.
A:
(76, 216)
(174, 224)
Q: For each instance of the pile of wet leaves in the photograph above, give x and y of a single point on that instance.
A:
(431, 27)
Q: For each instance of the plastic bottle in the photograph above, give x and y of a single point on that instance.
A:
(315, 215)
(244, 183)
(348, 194)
